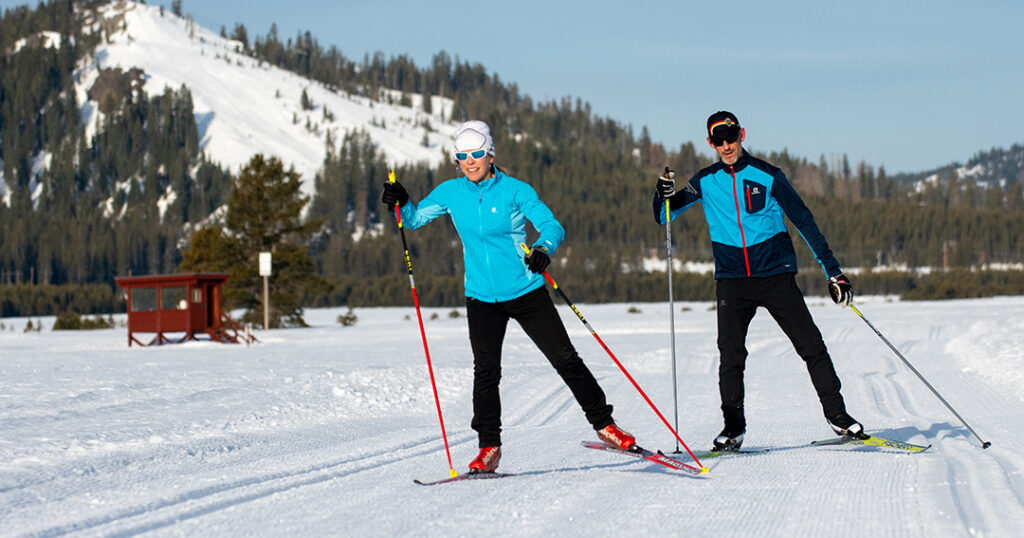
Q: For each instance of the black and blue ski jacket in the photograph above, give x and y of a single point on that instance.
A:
(744, 205)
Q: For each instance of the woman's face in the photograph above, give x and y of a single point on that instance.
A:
(476, 169)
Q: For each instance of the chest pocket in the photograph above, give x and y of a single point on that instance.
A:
(754, 196)
(494, 215)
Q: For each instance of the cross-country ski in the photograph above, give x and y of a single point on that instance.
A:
(702, 454)
(873, 441)
(653, 457)
(465, 476)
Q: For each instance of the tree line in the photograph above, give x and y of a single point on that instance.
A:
(602, 195)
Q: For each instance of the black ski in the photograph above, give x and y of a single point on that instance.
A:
(466, 476)
(723, 453)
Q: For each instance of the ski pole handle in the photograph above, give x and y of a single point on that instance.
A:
(668, 213)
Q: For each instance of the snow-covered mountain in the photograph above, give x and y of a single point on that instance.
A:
(244, 106)
(996, 167)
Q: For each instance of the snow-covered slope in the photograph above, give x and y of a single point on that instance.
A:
(320, 431)
(244, 107)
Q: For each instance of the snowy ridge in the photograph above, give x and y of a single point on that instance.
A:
(44, 39)
(320, 431)
(994, 168)
(244, 106)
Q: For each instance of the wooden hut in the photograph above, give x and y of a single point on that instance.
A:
(178, 308)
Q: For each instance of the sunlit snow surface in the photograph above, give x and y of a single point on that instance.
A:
(321, 431)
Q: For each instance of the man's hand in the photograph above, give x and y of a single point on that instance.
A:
(840, 289)
(666, 186)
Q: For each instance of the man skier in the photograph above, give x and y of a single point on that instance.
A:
(744, 200)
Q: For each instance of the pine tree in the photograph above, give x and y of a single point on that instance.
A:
(953, 190)
(241, 35)
(1015, 197)
(264, 214)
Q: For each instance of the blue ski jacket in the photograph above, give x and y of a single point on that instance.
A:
(490, 217)
(744, 205)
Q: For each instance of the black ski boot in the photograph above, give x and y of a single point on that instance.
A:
(729, 439)
(844, 424)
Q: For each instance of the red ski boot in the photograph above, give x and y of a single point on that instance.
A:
(486, 461)
(613, 436)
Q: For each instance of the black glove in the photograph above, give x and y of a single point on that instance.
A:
(394, 193)
(538, 260)
(666, 184)
(840, 289)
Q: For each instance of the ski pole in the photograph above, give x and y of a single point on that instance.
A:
(616, 360)
(984, 443)
(423, 333)
(671, 310)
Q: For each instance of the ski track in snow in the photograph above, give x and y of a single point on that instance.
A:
(320, 431)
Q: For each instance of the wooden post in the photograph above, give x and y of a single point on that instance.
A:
(266, 303)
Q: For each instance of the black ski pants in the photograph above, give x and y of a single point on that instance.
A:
(738, 300)
(536, 314)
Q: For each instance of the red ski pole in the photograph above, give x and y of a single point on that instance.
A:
(617, 363)
(423, 333)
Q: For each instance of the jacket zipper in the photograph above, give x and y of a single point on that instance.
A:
(483, 241)
(739, 219)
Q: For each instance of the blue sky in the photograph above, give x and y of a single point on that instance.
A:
(908, 85)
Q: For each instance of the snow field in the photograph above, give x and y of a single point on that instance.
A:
(320, 431)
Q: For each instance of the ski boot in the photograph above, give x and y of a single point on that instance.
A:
(613, 436)
(729, 439)
(844, 424)
(486, 461)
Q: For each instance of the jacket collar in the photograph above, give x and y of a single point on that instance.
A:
(741, 163)
(486, 183)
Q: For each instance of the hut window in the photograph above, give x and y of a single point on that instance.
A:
(143, 299)
(174, 298)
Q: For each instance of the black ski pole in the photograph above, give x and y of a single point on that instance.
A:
(984, 443)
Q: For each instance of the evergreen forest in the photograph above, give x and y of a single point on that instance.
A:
(82, 204)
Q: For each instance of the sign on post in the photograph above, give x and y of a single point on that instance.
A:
(265, 273)
(264, 264)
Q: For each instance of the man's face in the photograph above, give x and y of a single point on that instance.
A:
(728, 152)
